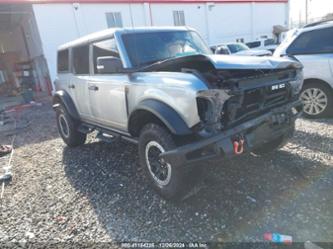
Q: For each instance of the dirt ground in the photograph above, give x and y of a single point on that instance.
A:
(96, 192)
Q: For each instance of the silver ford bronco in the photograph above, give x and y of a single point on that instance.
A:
(163, 89)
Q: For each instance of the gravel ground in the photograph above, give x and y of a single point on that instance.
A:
(96, 192)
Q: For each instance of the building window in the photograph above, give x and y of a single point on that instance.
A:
(178, 18)
(81, 59)
(113, 20)
(63, 59)
(240, 40)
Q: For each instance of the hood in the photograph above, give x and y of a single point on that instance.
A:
(254, 52)
(201, 62)
(251, 62)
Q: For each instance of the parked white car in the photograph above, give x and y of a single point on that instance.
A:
(313, 47)
(238, 48)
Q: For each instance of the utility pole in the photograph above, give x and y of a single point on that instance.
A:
(306, 11)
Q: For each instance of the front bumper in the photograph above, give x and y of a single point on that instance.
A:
(256, 132)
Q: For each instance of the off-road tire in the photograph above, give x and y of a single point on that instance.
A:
(156, 134)
(328, 111)
(67, 127)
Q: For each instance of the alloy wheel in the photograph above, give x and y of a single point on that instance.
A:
(64, 127)
(315, 101)
(158, 168)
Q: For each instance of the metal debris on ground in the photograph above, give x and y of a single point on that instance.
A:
(7, 176)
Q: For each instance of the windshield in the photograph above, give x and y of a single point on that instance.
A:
(149, 47)
(237, 47)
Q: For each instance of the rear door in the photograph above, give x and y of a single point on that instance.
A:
(107, 92)
(63, 81)
(79, 81)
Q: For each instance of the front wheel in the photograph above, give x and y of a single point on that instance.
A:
(275, 144)
(165, 178)
(270, 146)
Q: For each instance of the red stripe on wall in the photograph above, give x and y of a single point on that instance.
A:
(140, 1)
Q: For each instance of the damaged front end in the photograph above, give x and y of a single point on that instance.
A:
(242, 109)
(236, 96)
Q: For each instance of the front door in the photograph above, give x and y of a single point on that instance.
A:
(107, 92)
(107, 96)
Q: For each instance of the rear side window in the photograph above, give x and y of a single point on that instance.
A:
(313, 42)
(63, 61)
(81, 59)
(268, 42)
(253, 44)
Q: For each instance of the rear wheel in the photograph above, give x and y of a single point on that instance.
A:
(67, 128)
(165, 178)
(317, 99)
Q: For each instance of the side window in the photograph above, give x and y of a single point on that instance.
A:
(253, 44)
(222, 50)
(178, 18)
(268, 42)
(114, 20)
(104, 48)
(312, 42)
(81, 59)
(63, 61)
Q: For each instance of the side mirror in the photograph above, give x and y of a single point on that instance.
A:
(109, 64)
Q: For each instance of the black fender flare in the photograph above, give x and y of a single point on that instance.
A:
(169, 117)
(62, 97)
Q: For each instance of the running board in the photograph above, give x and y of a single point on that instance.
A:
(106, 135)
(107, 138)
(85, 129)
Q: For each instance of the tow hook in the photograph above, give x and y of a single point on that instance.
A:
(238, 146)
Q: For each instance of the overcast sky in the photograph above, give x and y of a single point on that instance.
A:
(317, 9)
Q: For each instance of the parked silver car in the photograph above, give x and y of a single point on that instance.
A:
(238, 48)
(313, 47)
(163, 89)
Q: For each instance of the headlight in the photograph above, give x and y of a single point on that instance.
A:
(204, 107)
(297, 84)
(209, 104)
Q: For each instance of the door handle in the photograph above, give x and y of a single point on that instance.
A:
(93, 88)
(71, 86)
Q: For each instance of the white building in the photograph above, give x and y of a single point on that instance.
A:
(36, 28)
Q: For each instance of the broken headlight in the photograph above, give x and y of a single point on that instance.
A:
(204, 107)
(297, 83)
(210, 104)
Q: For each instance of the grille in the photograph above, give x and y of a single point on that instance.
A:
(254, 102)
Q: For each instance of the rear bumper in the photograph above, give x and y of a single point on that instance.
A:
(256, 132)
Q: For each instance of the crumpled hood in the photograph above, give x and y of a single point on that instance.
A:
(251, 62)
(254, 52)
